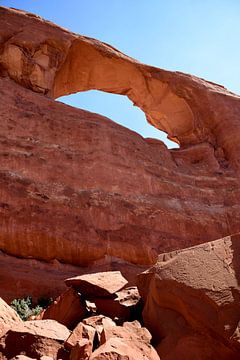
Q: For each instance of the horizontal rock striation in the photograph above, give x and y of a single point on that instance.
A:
(80, 189)
(57, 62)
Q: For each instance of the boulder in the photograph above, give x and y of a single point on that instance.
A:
(102, 284)
(68, 309)
(128, 342)
(35, 339)
(99, 322)
(8, 317)
(129, 331)
(192, 301)
(91, 330)
(125, 306)
(81, 331)
(81, 350)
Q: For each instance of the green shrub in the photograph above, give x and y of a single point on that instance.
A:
(25, 308)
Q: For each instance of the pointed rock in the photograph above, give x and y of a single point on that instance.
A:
(125, 306)
(68, 309)
(82, 350)
(8, 317)
(81, 331)
(99, 322)
(129, 341)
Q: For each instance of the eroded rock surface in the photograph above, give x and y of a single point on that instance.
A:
(192, 301)
(77, 188)
(8, 317)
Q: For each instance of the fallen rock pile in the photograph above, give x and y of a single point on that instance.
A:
(95, 318)
(189, 308)
(101, 293)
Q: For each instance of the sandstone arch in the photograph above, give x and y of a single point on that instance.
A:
(80, 189)
(57, 62)
(88, 67)
(119, 109)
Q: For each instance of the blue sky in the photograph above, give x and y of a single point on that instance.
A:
(201, 37)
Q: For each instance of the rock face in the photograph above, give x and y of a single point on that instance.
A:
(192, 301)
(80, 190)
(8, 317)
(80, 194)
(57, 62)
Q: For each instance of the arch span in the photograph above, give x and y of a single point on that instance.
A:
(119, 109)
(89, 67)
(57, 62)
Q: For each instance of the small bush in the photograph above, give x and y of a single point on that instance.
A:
(25, 308)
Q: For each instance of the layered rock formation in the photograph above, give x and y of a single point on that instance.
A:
(81, 193)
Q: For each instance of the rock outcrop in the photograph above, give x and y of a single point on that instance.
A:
(8, 317)
(192, 301)
(78, 189)
(82, 195)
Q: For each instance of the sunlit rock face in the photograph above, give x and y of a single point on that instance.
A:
(191, 301)
(78, 189)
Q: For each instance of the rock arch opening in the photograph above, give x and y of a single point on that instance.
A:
(92, 65)
(119, 109)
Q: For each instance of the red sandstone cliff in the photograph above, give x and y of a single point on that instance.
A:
(79, 191)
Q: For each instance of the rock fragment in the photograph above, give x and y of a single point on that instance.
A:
(128, 342)
(81, 331)
(125, 306)
(82, 350)
(35, 339)
(102, 284)
(68, 309)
